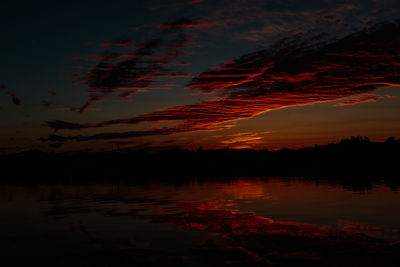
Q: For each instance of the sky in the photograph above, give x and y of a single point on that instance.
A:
(96, 75)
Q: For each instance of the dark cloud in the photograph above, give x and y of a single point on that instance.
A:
(294, 71)
(264, 21)
(91, 99)
(146, 65)
(46, 103)
(16, 100)
(121, 143)
(57, 124)
(56, 145)
(49, 103)
(54, 138)
(194, 2)
(185, 23)
(52, 102)
(123, 41)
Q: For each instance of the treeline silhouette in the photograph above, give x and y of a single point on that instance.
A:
(357, 161)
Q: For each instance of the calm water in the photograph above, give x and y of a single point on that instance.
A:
(99, 224)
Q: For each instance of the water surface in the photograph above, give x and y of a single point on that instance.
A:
(241, 221)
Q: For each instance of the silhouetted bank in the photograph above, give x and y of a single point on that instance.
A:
(356, 160)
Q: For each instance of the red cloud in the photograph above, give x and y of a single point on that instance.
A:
(350, 225)
(142, 68)
(184, 23)
(194, 2)
(371, 98)
(15, 99)
(292, 72)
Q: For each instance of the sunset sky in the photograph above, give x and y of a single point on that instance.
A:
(155, 74)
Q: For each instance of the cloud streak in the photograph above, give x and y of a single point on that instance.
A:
(138, 65)
(185, 23)
(371, 98)
(294, 71)
(14, 98)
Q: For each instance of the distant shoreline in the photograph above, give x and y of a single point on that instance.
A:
(355, 160)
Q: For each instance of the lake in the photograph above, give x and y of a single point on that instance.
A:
(242, 221)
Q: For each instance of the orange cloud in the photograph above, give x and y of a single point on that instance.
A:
(360, 100)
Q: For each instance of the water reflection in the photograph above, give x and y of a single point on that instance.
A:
(246, 221)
